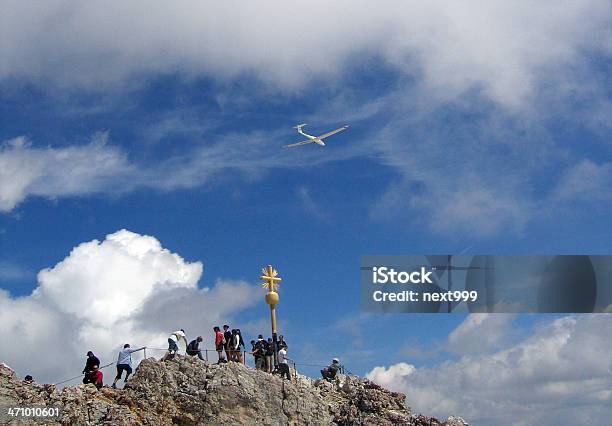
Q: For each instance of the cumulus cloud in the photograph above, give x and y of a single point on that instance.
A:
(561, 374)
(126, 288)
(126, 267)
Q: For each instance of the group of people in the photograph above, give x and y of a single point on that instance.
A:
(229, 345)
(93, 373)
(231, 342)
(263, 352)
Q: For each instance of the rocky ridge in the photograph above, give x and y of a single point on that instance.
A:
(187, 391)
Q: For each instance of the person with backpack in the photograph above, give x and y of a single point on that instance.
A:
(219, 343)
(236, 341)
(173, 343)
(253, 350)
(227, 342)
(270, 355)
(94, 376)
(124, 363)
(281, 343)
(193, 348)
(259, 353)
(91, 362)
(329, 373)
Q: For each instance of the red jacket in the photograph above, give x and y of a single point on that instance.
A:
(218, 338)
(96, 377)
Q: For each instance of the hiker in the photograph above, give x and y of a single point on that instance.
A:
(219, 344)
(270, 355)
(193, 348)
(329, 372)
(124, 363)
(280, 343)
(259, 352)
(227, 342)
(283, 366)
(231, 353)
(239, 333)
(94, 376)
(253, 350)
(173, 343)
(92, 361)
(28, 379)
(236, 341)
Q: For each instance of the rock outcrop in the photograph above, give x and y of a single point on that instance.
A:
(187, 391)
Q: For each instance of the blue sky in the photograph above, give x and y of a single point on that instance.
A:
(483, 130)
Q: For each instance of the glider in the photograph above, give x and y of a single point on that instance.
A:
(314, 139)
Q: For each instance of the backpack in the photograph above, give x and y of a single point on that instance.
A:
(260, 347)
(191, 347)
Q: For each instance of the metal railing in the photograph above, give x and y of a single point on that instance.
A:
(243, 353)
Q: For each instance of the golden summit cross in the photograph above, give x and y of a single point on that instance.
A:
(270, 278)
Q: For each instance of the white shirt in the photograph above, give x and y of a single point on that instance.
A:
(125, 356)
(282, 356)
(177, 335)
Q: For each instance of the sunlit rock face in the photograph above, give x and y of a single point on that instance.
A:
(187, 391)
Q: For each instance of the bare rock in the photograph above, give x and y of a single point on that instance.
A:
(187, 391)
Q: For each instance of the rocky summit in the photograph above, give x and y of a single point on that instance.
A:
(187, 391)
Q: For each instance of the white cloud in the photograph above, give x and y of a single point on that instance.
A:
(52, 172)
(126, 288)
(471, 178)
(12, 272)
(391, 377)
(100, 167)
(126, 267)
(507, 49)
(560, 375)
(503, 65)
(311, 207)
(480, 333)
(585, 180)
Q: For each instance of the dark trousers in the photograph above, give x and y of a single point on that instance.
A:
(283, 369)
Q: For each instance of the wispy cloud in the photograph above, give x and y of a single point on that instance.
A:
(461, 115)
(101, 167)
(10, 271)
(311, 207)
